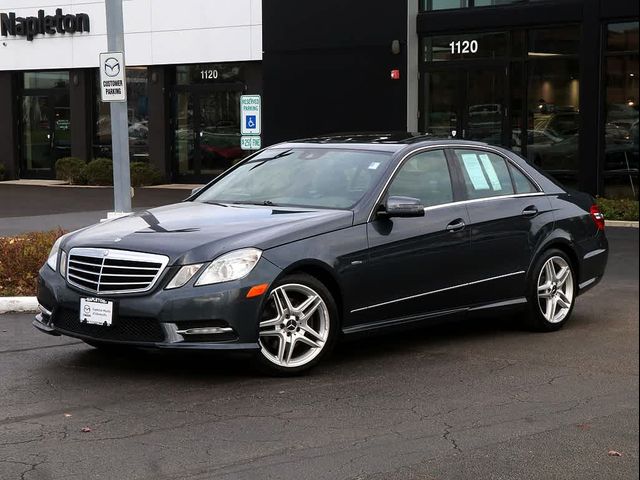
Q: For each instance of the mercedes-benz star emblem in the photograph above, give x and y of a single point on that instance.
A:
(111, 67)
(105, 253)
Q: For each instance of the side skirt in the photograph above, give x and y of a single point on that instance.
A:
(435, 317)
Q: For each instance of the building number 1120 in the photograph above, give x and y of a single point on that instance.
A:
(465, 46)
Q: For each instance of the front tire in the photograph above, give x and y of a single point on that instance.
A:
(552, 291)
(298, 326)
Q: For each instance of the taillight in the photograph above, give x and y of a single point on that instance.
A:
(597, 216)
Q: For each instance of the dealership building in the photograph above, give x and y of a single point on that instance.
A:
(556, 81)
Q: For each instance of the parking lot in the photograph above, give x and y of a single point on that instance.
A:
(481, 399)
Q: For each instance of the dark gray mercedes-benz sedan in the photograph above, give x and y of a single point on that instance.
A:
(306, 241)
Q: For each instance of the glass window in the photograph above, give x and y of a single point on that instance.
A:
(465, 46)
(619, 166)
(424, 176)
(552, 42)
(622, 37)
(553, 102)
(209, 73)
(46, 79)
(521, 182)
(305, 177)
(485, 174)
(138, 108)
(448, 4)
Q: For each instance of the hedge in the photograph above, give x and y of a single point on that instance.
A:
(100, 172)
(619, 209)
(143, 174)
(20, 259)
(72, 170)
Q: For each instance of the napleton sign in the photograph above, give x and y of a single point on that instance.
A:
(43, 24)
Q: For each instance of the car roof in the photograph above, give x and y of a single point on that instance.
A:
(385, 141)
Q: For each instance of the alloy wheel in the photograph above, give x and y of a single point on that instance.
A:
(555, 289)
(295, 326)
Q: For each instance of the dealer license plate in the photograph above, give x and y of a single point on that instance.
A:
(96, 311)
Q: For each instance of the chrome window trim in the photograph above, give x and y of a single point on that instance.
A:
(477, 200)
(115, 254)
(521, 272)
(540, 191)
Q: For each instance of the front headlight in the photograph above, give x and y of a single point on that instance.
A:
(183, 276)
(231, 266)
(52, 261)
(63, 263)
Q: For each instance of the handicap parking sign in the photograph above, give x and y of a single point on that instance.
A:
(250, 112)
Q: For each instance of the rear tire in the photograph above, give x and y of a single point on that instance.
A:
(551, 292)
(298, 326)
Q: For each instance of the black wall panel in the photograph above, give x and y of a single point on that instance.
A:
(327, 67)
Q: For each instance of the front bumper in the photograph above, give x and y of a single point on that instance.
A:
(172, 319)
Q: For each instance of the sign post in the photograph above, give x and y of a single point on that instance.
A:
(250, 122)
(113, 86)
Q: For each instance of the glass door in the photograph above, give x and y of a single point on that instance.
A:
(218, 132)
(46, 133)
(466, 103)
(206, 132)
(484, 110)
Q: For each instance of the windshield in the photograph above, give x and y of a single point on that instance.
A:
(305, 177)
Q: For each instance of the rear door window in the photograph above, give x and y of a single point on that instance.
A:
(521, 182)
(485, 174)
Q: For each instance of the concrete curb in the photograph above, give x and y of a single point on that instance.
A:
(18, 304)
(621, 223)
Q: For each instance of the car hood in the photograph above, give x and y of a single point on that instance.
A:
(194, 232)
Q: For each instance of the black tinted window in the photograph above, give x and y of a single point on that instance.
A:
(485, 174)
(307, 177)
(424, 176)
(522, 183)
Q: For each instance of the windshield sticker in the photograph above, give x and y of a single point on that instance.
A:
(491, 172)
(374, 165)
(474, 169)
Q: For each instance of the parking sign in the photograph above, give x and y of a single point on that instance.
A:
(250, 110)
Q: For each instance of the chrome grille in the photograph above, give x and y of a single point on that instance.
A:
(108, 271)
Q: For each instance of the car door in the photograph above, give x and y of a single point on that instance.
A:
(415, 263)
(508, 216)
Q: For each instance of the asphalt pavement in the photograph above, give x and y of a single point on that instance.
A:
(482, 399)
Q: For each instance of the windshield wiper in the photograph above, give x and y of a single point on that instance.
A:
(263, 161)
(265, 203)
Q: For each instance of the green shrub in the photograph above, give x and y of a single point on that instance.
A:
(72, 170)
(143, 174)
(622, 209)
(20, 259)
(100, 172)
(2, 170)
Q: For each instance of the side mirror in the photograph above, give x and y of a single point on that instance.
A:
(195, 190)
(403, 207)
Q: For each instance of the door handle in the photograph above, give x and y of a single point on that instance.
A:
(456, 225)
(530, 211)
